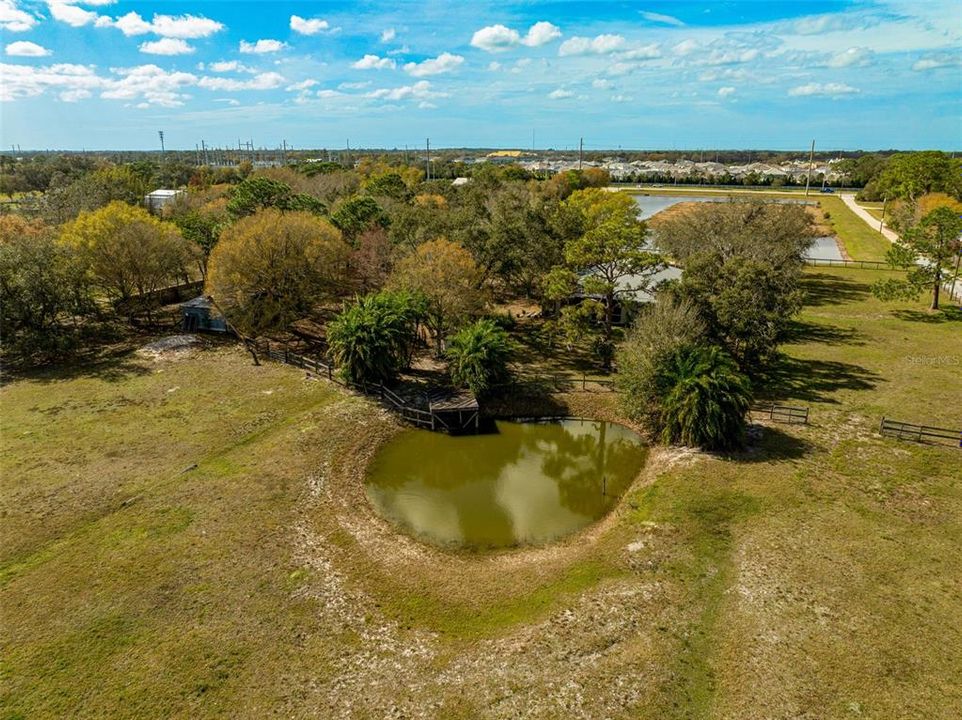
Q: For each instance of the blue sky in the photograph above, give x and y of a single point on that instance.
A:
(856, 74)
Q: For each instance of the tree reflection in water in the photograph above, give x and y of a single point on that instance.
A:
(527, 483)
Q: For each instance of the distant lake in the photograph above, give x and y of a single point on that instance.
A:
(824, 247)
(652, 204)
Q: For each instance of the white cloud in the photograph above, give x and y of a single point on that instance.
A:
(685, 47)
(328, 93)
(662, 19)
(75, 95)
(308, 27)
(731, 57)
(166, 46)
(830, 89)
(262, 81)
(151, 84)
(494, 66)
(23, 48)
(601, 83)
(71, 14)
(495, 38)
(445, 62)
(425, 105)
(31, 80)
(13, 19)
(419, 90)
(188, 27)
(146, 84)
(940, 60)
(853, 56)
(599, 45)
(388, 35)
(726, 91)
(821, 24)
(645, 52)
(185, 27)
(354, 85)
(261, 47)
(560, 94)
(541, 33)
(621, 98)
(302, 85)
(132, 24)
(373, 62)
(229, 66)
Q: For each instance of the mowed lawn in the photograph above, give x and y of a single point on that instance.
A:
(189, 538)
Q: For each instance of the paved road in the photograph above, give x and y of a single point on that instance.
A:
(849, 199)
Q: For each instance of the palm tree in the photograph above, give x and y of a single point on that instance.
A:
(478, 356)
(372, 340)
(704, 399)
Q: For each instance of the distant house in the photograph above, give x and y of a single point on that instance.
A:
(199, 315)
(458, 181)
(156, 200)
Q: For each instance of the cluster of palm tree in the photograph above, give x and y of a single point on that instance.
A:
(478, 356)
(704, 398)
(375, 338)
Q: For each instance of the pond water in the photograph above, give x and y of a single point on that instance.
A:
(526, 483)
(649, 205)
(824, 248)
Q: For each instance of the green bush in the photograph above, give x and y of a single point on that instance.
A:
(478, 355)
(373, 340)
(703, 398)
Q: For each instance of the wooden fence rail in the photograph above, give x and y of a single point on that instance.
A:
(920, 433)
(783, 413)
(417, 416)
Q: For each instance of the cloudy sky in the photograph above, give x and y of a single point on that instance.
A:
(681, 74)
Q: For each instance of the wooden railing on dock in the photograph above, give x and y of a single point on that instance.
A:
(388, 398)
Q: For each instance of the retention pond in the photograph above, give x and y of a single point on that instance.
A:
(526, 483)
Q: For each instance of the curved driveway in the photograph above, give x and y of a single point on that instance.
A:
(849, 199)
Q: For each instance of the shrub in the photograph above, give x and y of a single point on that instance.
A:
(478, 356)
(703, 399)
(658, 331)
(372, 340)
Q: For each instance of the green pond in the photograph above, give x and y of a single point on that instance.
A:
(525, 483)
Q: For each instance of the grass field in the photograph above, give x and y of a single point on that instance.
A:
(189, 537)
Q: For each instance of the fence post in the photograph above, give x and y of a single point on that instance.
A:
(584, 380)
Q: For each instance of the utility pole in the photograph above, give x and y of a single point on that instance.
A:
(162, 150)
(427, 159)
(811, 162)
(581, 151)
(203, 148)
(881, 222)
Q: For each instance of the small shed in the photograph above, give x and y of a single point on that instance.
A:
(199, 315)
(160, 198)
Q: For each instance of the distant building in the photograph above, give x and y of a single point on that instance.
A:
(459, 181)
(158, 199)
(199, 315)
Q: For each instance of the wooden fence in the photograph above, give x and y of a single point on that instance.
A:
(920, 433)
(783, 413)
(859, 264)
(414, 415)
